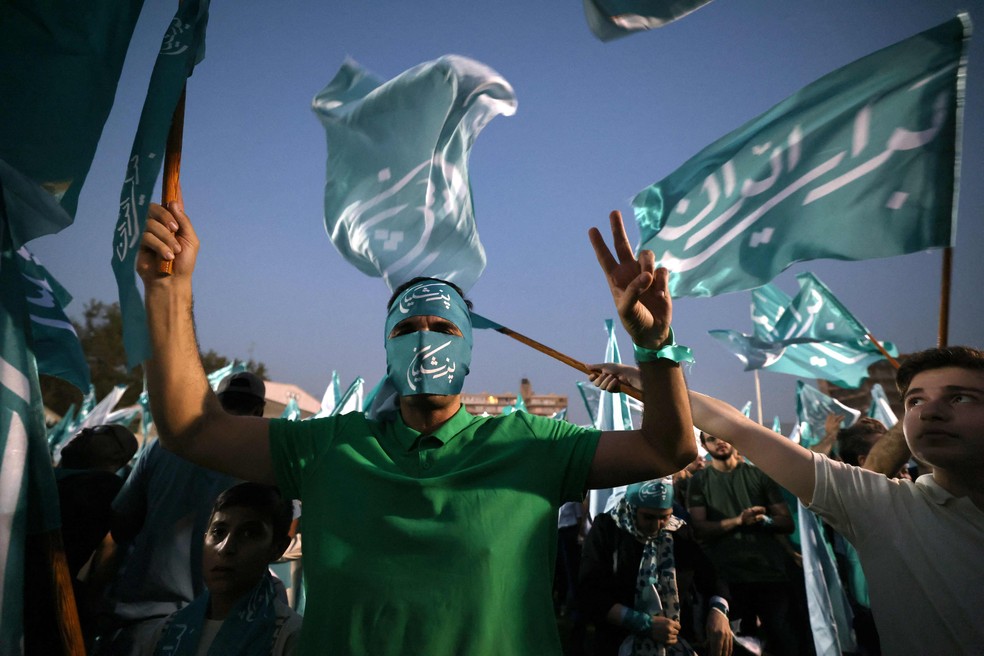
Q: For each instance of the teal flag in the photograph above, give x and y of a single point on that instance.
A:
(60, 62)
(351, 399)
(183, 47)
(54, 340)
(292, 411)
(880, 407)
(28, 496)
(777, 425)
(611, 19)
(332, 395)
(747, 409)
(816, 315)
(859, 164)
(216, 376)
(768, 304)
(812, 409)
(60, 431)
(397, 197)
(591, 396)
(831, 618)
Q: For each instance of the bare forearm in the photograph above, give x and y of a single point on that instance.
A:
(179, 392)
(890, 453)
(714, 528)
(666, 421)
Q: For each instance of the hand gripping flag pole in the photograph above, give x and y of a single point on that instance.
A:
(172, 168)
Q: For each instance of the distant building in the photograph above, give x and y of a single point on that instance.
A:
(860, 399)
(544, 405)
(279, 394)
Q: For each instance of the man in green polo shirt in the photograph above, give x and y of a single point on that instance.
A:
(431, 531)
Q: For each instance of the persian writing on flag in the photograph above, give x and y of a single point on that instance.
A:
(54, 341)
(29, 502)
(183, 46)
(859, 164)
(611, 19)
(59, 67)
(397, 196)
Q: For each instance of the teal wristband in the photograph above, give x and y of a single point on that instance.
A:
(635, 621)
(672, 351)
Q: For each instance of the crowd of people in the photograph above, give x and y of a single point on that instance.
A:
(428, 530)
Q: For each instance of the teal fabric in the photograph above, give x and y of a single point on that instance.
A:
(183, 46)
(431, 298)
(250, 628)
(30, 492)
(880, 407)
(56, 344)
(796, 336)
(431, 544)
(611, 19)
(859, 164)
(812, 409)
(60, 62)
(397, 197)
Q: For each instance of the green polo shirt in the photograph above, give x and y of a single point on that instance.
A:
(430, 544)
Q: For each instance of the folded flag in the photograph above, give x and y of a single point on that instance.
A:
(859, 164)
(397, 197)
(812, 409)
(881, 407)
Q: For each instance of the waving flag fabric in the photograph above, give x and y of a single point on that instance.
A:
(816, 315)
(183, 47)
(611, 19)
(60, 63)
(397, 197)
(859, 164)
(28, 496)
(881, 407)
(55, 343)
(812, 409)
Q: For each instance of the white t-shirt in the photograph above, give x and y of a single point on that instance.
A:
(922, 551)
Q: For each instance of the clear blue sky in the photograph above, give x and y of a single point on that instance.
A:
(596, 123)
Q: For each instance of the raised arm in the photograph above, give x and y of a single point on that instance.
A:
(665, 442)
(889, 454)
(189, 418)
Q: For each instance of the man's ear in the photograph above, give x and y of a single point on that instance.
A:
(861, 459)
(279, 547)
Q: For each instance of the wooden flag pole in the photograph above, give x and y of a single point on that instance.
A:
(566, 359)
(172, 167)
(942, 337)
(895, 363)
(69, 628)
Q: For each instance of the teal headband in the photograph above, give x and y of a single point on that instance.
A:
(656, 494)
(433, 298)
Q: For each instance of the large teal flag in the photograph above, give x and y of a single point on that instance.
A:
(611, 19)
(60, 62)
(56, 344)
(859, 164)
(183, 47)
(397, 197)
(28, 496)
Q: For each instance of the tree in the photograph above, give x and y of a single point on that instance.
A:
(101, 334)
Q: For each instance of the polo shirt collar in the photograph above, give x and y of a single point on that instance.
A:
(407, 437)
(933, 490)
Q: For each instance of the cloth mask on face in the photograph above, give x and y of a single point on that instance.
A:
(427, 362)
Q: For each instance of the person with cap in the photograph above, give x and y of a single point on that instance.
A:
(646, 583)
(87, 480)
(159, 518)
(429, 530)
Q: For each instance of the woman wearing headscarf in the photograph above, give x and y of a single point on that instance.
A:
(643, 573)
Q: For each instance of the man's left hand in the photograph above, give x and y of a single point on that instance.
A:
(639, 289)
(719, 640)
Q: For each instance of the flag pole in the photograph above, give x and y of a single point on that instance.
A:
(758, 395)
(172, 167)
(66, 610)
(895, 363)
(566, 359)
(942, 336)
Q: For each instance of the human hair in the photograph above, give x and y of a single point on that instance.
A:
(703, 439)
(265, 499)
(854, 441)
(108, 446)
(410, 283)
(962, 357)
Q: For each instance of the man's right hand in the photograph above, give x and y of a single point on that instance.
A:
(751, 516)
(665, 630)
(168, 236)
